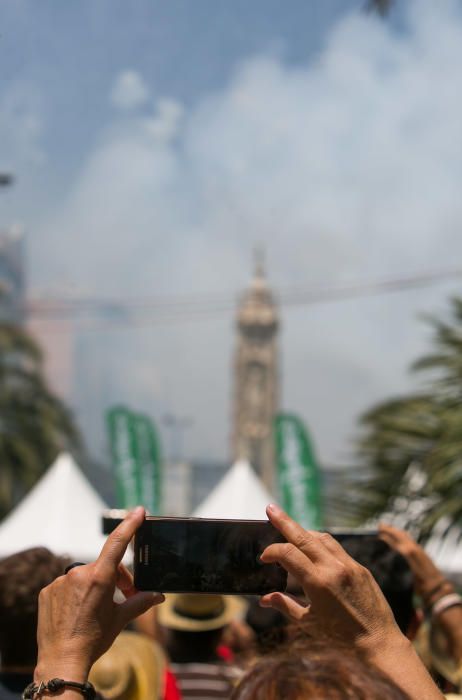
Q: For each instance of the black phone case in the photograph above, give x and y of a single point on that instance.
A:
(154, 570)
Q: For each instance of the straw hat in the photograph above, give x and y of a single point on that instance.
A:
(132, 669)
(199, 612)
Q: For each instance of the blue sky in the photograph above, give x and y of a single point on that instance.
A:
(155, 144)
(69, 53)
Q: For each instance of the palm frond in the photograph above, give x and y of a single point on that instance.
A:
(421, 432)
(34, 424)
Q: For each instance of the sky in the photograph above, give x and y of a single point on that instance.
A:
(154, 144)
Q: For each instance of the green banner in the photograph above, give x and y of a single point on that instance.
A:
(149, 462)
(299, 476)
(124, 457)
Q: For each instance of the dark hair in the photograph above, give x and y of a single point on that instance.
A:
(187, 647)
(321, 673)
(390, 570)
(269, 626)
(22, 576)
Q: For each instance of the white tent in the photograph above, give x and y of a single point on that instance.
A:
(62, 512)
(445, 548)
(240, 494)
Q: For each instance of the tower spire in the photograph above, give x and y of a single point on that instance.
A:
(259, 260)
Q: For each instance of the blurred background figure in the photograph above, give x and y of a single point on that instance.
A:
(22, 576)
(269, 628)
(441, 636)
(194, 625)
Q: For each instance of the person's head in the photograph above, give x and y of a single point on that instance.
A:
(392, 573)
(268, 625)
(22, 576)
(322, 673)
(194, 623)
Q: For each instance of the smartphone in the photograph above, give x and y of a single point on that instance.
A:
(357, 539)
(201, 555)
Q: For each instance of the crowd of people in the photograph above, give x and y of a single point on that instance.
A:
(356, 622)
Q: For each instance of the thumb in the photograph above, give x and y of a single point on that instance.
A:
(136, 605)
(285, 604)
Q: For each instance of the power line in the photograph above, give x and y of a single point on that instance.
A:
(106, 313)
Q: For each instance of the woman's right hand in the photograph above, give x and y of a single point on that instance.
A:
(346, 602)
(345, 599)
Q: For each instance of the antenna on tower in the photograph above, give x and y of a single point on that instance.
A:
(259, 260)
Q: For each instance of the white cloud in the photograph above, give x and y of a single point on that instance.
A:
(163, 126)
(129, 91)
(347, 168)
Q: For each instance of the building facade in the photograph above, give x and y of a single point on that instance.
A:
(256, 378)
(12, 276)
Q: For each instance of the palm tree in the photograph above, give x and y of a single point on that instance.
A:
(34, 424)
(410, 451)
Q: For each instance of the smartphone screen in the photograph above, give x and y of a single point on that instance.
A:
(198, 555)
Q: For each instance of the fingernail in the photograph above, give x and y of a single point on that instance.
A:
(137, 511)
(273, 508)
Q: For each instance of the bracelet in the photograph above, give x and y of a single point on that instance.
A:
(447, 601)
(426, 596)
(54, 685)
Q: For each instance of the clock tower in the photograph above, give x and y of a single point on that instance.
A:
(256, 378)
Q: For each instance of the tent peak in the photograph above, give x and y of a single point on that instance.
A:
(240, 494)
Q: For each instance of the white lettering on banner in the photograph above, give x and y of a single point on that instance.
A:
(295, 470)
(146, 464)
(125, 460)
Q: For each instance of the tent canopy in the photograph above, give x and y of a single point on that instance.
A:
(62, 512)
(240, 494)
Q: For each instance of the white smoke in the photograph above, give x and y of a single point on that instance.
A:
(345, 169)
